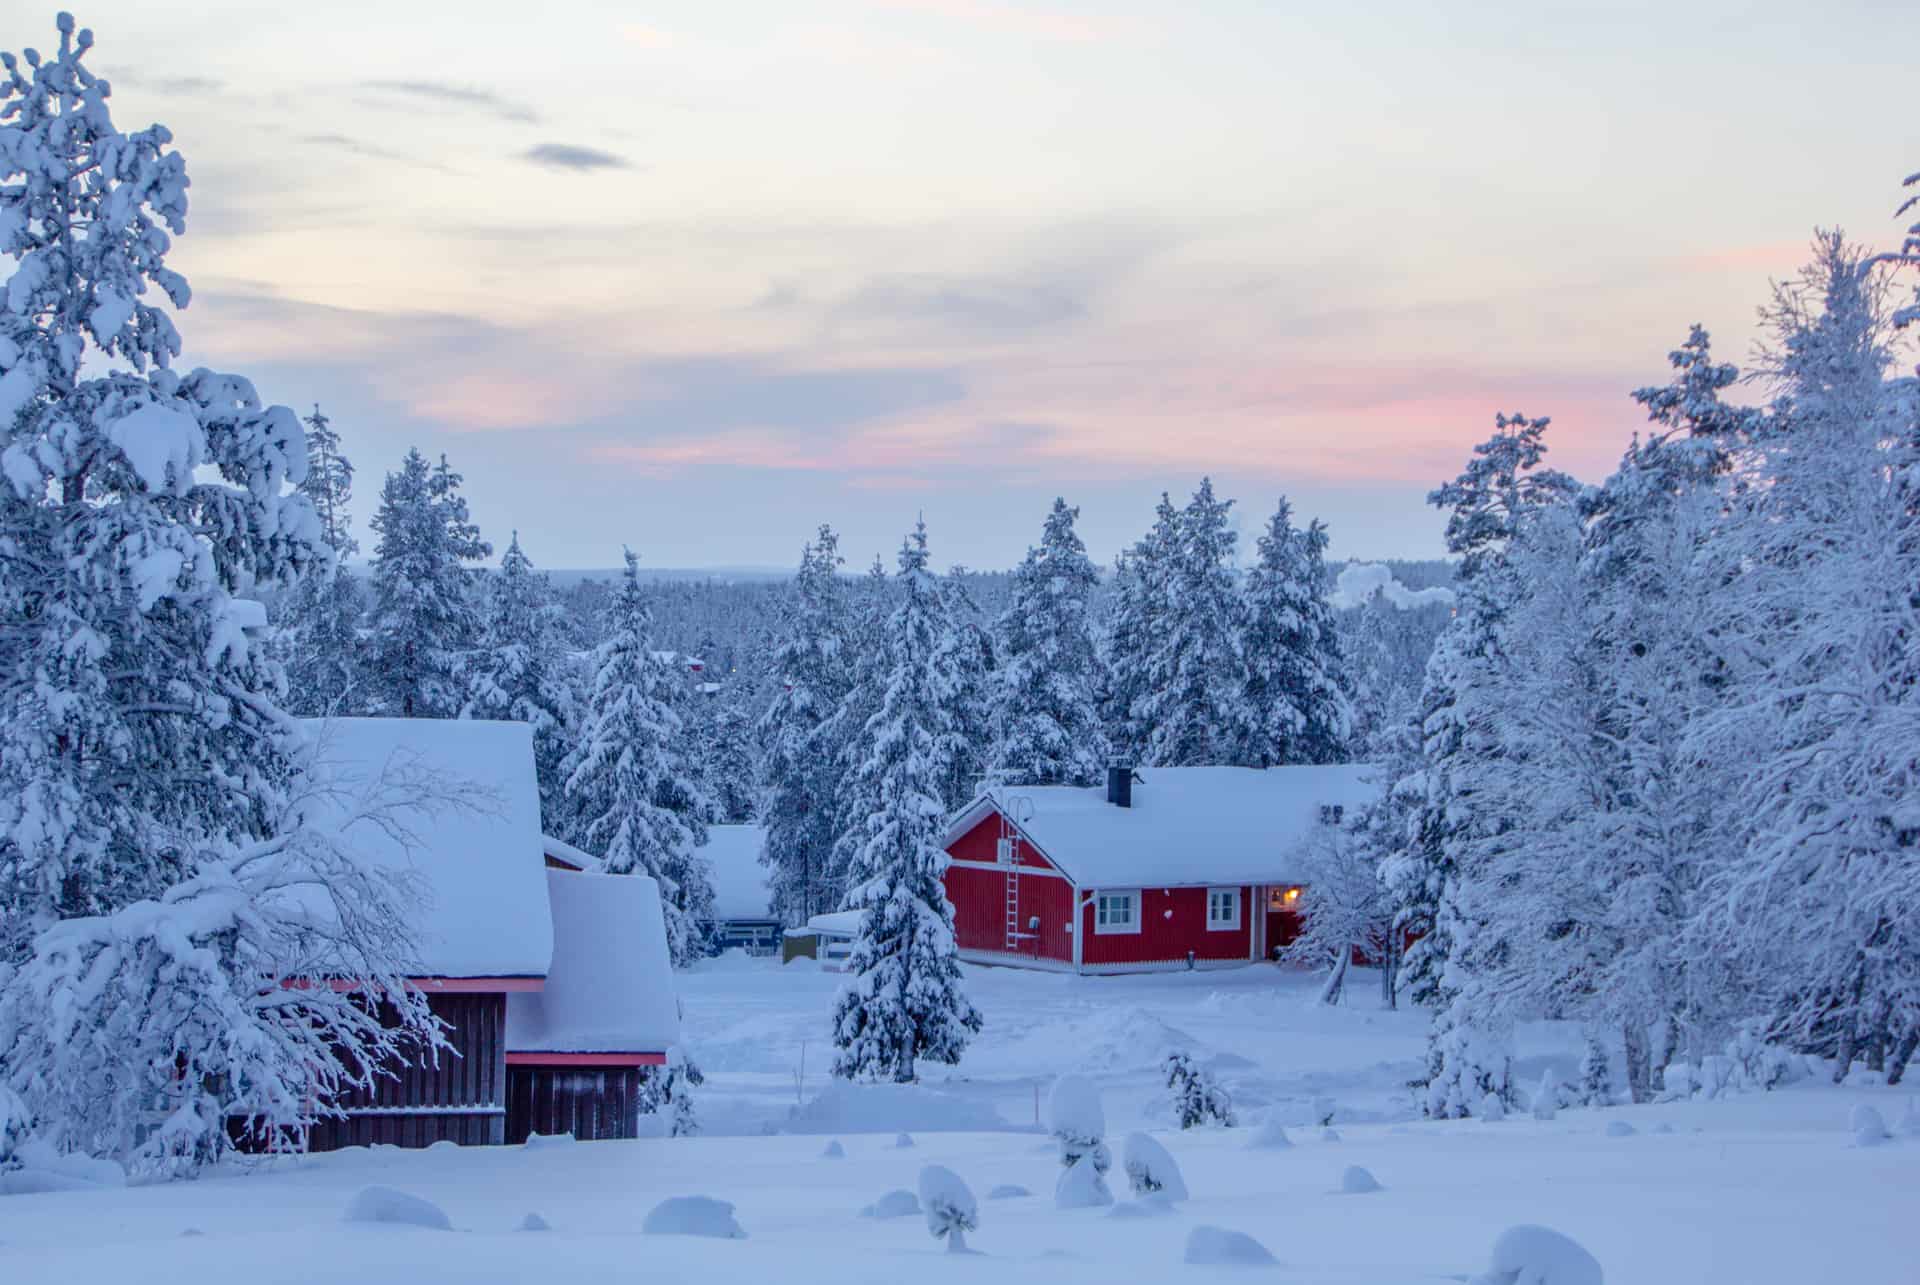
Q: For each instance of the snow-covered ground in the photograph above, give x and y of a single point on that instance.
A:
(1747, 1190)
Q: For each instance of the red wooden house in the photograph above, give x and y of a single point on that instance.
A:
(1164, 868)
(490, 927)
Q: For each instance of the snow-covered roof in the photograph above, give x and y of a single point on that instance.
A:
(478, 848)
(740, 889)
(836, 923)
(611, 986)
(1188, 826)
(574, 858)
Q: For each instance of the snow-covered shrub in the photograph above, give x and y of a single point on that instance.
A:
(389, 1205)
(1082, 1186)
(904, 1141)
(1910, 1119)
(1078, 1123)
(1323, 1111)
(545, 1141)
(950, 1208)
(1868, 1127)
(1492, 1107)
(693, 1216)
(1759, 1064)
(1008, 1191)
(15, 1124)
(1596, 1074)
(1677, 1083)
(1530, 1255)
(1620, 1129)
(1224, 1247)
(1546, 1098)
(1197, 1097)
(898, 1203)
(1271, 1135)
(1357, 1181)
(833, 1151)
(534, 1222)
(1468, 1065)
(1151, 1169)
(668, 1091)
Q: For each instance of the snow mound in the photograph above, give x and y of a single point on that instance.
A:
(1662, 1127)
(1151, 1169)
(834, 1151)
(904, 1141)
(1620, 1129)
(1530, 1255)
(1008, 1191)
(1491, 1108)
(1222, 1246)
(1329, 1135)
(534, 1222)
(898, 1203)
(1358, 1181)
(1081, 1187)
(38, 1167)
(1271, 1135)
(541, 1141)
(693, 1216)
(891, 1108)
(1147, 1207)
(951, 1209)
(1868, 1127)
(1545, 1097)
(1910, 1119)
(1074, 1110)
(389, 1205)
(1129, 1041)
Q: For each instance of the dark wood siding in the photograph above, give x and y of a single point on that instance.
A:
(592, 1104)
(458, 1096)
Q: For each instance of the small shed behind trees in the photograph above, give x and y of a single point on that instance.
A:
(742, 897)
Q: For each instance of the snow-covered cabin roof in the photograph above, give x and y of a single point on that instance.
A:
(1188, 826)
(836, 923)
(611, 986)
(560, 852)
(740, 888)
(479, 853)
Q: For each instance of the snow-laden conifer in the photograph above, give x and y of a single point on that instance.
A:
(634, 803)
(1192, 709)
(426, 612)
(903, 999)
(518, 671)
(1298, 705)
(319, 623)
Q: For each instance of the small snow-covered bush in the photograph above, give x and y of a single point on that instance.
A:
(898, 1203)
(1758, 1064)
(1008, 1191)
(1151, 1169)
(1620, 1129)
(1530, 1255)
(1271, 1135)
(1197, 1096)
(1676, 1083)
(904, 1141)
(1324, 1111)
(15, 1123)
(1492, 1107)
(950, 1208)
(1357, 1181)
(1868, 1127)
(1081, 1186)
(834, 1151)
(1547, 1097)
(1078, 1123)
(667, 1091)
(543, 1141)
(1596, 1075)
(1222, 1246)
(388, 1205)
(1910, 1119)
(534, 1222)
(693, 1216)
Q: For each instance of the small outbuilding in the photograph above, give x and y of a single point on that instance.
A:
(1163, 868)
(742, 897)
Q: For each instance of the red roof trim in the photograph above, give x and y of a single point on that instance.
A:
(441, 985)
(586, 1059)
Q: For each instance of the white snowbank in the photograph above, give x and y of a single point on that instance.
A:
(1222, 1246)
(1151, 1169)
(35, 1166)
(693, 1216)
(541, 1141)
(1146, 1207)
(1081, 1187)
(389, 1205)
(1530, 1255)
(1357, 1181)
(844, 1107)
(898, 1203)
(1868, 1126)
(1271, 1135)
(1620, 1129)
(1008, 1191)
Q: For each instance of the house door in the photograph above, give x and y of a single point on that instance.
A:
(1283, 917)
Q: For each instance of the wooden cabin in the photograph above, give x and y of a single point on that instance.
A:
(485, 929)
(1164, 868)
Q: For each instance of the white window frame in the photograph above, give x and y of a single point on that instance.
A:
(1136, 902)
(1223, 925)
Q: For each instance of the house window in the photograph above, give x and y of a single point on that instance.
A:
(1283, 898)
(1332, 813)
(1223, 909)
(1116, 912)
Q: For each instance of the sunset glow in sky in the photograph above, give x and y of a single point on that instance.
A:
(697, 277)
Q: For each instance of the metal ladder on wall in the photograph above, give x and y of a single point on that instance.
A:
(1007, 851)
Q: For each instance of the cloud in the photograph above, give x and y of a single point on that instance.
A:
(342, 142)
(976, 303)
(571, 156)
(1023, 19)
(168, 84)
(463, 96)
(643, 36)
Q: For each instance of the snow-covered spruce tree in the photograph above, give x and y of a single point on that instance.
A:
(903, 999)
(426, 613)
(867, 668)
(1297, 689)
(1047, 728)
(318, 636)
(1192, 707)
(1134, 625)
(723, 734)
(1596, 1074)
(1502, 490)
(518, 672)
(633, 803)
(668, 1090)
(799, 764)
(147, 831)
(1197, 1096)
(962, 751)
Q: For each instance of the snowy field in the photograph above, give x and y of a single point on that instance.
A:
(1747, 1190)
